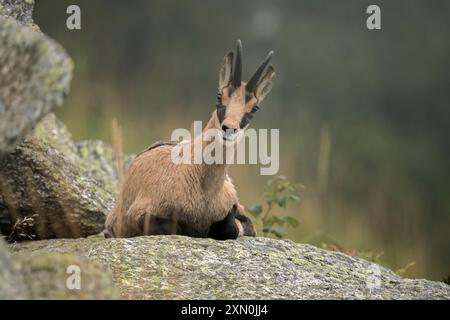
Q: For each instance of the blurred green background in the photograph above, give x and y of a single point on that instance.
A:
(374, 102)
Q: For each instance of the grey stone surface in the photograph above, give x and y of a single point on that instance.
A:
(100, 162)
(44, 275)
(11, 281)
(176, 267)
(20, 10)
(50, 187)
(35, 73)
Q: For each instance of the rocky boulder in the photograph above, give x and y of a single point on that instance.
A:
(43, 275)
(52, 187)
(20, 10)
(35, 73)
(176, 267)
(11, 282)
(48, 276)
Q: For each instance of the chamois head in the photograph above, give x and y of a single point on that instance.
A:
(237, 101)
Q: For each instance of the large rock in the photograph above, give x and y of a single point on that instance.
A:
(11, 281)
(51, 187)
(21, 10)
(176, 267)
(35, 73)
(43, 275)
(50, 276)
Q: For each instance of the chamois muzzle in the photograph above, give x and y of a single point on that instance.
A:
(229, 134)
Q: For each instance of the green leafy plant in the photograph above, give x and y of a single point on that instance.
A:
(278, 192)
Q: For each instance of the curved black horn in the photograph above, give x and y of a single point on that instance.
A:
(237, 72)
(251, 85)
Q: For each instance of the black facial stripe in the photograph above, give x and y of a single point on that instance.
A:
(221, 112)
(220, 108)
(248, 96)
(247, 117)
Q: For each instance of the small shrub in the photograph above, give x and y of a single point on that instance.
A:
(278, 192)
(21, 229)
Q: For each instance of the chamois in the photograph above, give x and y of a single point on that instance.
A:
(197, 200)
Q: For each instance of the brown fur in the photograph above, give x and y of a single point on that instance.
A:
(195, 195)
(161, 197)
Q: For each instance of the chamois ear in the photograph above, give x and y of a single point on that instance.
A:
(265, 84)
(226, 71)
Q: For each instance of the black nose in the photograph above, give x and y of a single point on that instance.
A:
(230, 130)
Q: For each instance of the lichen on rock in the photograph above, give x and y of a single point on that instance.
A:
(45, 275)
(49, 189)
(20, 10)
(11, 281)
(99, 161)
(177, 267)
(35, 74)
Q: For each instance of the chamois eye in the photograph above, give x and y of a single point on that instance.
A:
(254, 109)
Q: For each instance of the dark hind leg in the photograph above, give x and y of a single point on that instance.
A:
(247, 224)
(226, 228)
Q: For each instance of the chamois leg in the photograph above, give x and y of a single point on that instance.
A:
(226, 228)
(235, 224)
(247, 224)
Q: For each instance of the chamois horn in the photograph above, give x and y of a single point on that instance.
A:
(237, 72)
(251, 85)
